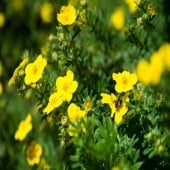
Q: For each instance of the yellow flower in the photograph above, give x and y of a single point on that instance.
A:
(55, 101)
(46, 12)
(34, 70)
(16, 71)
(34, 152)
(66, 86)
(124, 81)
(165, 53)
(118, 106)
(143, 71)
(1, 69)
(75, 113)
(150, 72)
(156, 68)
(67, 15)
(121, 109)
(2, 20)
(109, 99)
(133, 5)
(24, 128)
(118, 18)
(1, 88)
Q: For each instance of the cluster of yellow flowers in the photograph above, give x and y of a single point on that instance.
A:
(65, 87)
(34, 150)
(151, 72)
(118, 15)
(124, 83)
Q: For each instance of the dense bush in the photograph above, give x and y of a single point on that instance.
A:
(84, 84)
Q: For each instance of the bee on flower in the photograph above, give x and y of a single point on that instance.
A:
(117, 105)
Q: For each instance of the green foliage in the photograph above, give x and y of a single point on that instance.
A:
(93, 49)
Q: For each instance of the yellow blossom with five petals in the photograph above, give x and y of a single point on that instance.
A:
(34, 70)
(66, 85)
(67, 15)
(24, 128)
(55, 101)
(33, 153)
(75, 113)
(124, 81)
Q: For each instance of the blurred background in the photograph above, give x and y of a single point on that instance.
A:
(25, 25)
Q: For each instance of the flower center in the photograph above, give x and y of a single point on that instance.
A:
(118, 104)
(65, 87)
(66, 18)
(34, 70)
(124, 80)
(31, 152)
(54, 101)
